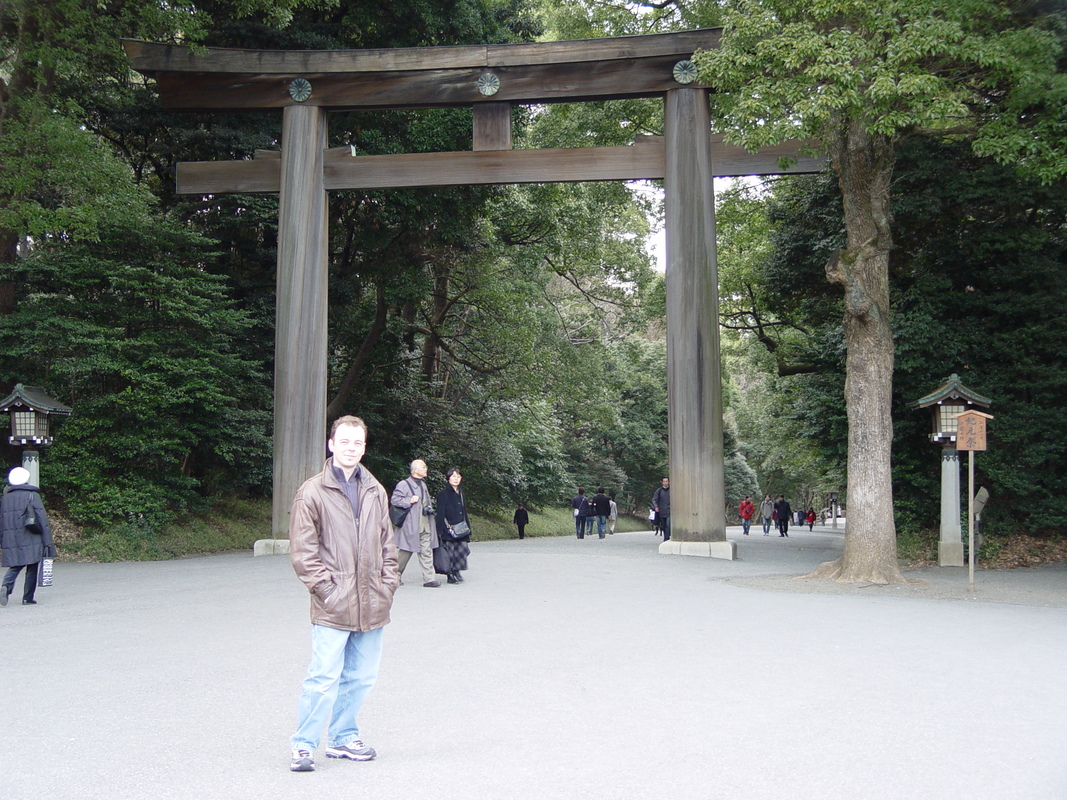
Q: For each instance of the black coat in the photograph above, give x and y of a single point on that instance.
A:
(661, 499)
(521, 517)
(450, 510)
(783, 509)
(601, 504)
(20, 546)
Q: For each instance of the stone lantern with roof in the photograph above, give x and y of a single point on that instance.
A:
(30, 409)
(946, 403)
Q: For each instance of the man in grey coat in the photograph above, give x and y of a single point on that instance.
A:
(418, 532)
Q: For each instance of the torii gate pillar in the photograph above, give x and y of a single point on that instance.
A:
(694, 377)
(300, 334)
(490, 79)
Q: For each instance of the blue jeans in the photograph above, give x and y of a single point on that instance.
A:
(665, 526)
(745, 523)
(766, 524)
(601, 523)
(344, 666)
(579, 527)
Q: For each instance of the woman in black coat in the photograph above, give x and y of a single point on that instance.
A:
(451, 557)
(21, 546)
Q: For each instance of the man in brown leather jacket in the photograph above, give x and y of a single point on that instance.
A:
(341, 545)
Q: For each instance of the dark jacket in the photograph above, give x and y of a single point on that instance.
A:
(20, 546)
(662, 500)
(783, 509)
(450, 510)
(521, 517)
(349, 568)
(601, 504)
(583, 504)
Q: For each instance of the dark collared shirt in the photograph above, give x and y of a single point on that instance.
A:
(350, 487)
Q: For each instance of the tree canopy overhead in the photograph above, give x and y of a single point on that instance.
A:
(859, 78)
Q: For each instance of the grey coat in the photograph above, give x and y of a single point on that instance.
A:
(407, 535)
(20, 547)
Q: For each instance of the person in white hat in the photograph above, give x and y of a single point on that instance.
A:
(23, 545)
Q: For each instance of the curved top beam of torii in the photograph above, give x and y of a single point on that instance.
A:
(306, 85)
(418, 77)
(487, 78)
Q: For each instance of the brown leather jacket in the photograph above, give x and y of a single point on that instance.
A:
(350, 570)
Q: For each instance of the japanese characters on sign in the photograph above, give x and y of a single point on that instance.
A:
(970, 432)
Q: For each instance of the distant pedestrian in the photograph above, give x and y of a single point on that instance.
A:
(746, 510)
(521, 520)
(653, 518)
(810, 518)
(661, 502)
(342, 548)
(24, 547)
(601, 508)
(766, 512)
(782, 513)
(580, 505)
(453, 529)
(613, 513)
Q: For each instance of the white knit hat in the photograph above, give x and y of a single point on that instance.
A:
(18, 476)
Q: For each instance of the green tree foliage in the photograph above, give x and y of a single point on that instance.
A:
(506, 331)
(860, 78)
(975, 292)
(143, 345)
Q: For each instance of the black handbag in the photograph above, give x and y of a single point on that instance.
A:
(459, 530)
(30, 522)
(398, 515)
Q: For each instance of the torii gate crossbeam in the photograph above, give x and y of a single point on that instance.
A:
(308, 84)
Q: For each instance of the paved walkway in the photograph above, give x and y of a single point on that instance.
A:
(561, 669)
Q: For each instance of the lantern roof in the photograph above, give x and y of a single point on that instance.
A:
(35, 399)
(952, 389)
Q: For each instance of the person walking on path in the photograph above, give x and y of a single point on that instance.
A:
(580, 504)
(521, 520)
(766, 512)
(342, 548)
(810, 518)
(746, 510)
(661, 503)
(24, 546)
(783, 512)
(601, 508)
(613, 513)
(453, 529)
(417, 533)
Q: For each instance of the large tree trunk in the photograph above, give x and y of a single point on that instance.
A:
(864, 166)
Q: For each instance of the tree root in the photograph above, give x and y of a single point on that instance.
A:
(835, 570)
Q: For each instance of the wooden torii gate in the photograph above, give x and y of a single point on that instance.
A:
(307, 84)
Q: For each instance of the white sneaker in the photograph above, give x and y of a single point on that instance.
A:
(302, 761)
(355, 750)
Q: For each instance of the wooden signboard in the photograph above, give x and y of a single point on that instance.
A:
(970, 430)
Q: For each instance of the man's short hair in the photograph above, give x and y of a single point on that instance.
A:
(347, 419)
(600, 490)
